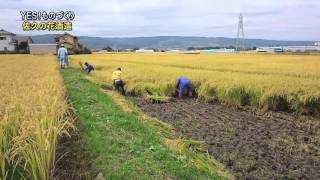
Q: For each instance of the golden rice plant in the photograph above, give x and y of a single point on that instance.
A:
(33, 113)
(268, 81)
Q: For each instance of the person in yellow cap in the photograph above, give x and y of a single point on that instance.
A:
(117, 81)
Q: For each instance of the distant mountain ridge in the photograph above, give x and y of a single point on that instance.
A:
(168, 42)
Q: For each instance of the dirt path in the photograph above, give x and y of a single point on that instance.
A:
(73, 161)
(270, 146)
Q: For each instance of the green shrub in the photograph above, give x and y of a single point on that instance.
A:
(73, 51)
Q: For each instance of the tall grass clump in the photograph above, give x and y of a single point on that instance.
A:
(274, 101)
(236, 95)
(205, 91)
(34, 113)
(308, 105)
(142, 89)
(167, 89)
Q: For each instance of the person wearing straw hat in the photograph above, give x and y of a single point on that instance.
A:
(63, 56)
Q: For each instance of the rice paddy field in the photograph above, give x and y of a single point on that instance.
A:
(39, 104)
(253, 116)
(33, 113)
(250, 109)
(270, 82)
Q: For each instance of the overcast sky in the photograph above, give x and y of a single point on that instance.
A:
(267, 19)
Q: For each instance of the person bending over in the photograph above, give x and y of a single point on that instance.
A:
(89, 67)
(117, 81)
(184, 87)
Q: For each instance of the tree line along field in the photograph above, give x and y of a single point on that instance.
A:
(270, 82)
(33, 113)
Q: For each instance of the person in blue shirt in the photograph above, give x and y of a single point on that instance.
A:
(184, 87)
(63, 56)
(89, 67)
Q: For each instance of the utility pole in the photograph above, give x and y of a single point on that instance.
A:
(240, 35)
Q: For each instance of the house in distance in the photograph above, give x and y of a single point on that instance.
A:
(71, 43)
(68, 40)
(11, 43)
(7, 42)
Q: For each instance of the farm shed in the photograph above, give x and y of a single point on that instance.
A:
(43, 48)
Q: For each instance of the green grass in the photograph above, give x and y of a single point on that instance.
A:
(122, 146)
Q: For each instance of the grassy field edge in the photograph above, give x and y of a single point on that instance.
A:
(124, 145)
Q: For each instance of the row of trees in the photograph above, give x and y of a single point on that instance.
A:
(110, 49)
(82, 50)
(219, 47)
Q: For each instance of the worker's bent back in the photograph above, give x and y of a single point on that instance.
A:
(116, 75)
